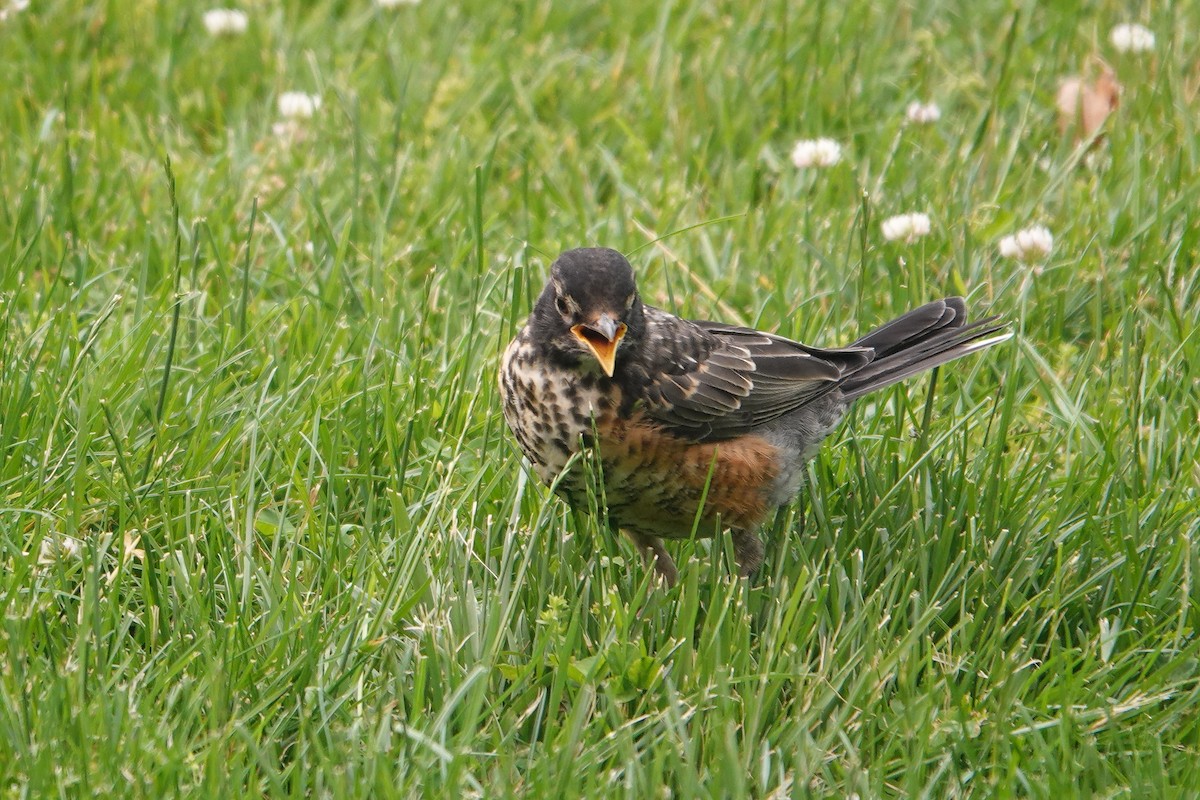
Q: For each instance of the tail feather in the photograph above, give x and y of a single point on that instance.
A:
(922, 339)
(895, 335)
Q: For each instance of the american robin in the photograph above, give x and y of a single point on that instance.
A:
(694, 425)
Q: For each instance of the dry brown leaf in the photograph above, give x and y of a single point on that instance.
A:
(1084, 106)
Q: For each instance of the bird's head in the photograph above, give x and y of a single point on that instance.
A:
(589, 308)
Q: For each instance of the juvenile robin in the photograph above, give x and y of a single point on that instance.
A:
(693, 424)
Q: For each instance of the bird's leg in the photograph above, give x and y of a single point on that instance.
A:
(748, 550)
(652, 550)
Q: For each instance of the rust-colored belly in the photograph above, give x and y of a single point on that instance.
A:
(655, 483)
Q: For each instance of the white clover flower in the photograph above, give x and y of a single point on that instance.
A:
(922, 113)
(12, 7)
(56, 547)
(226, 22)
(908, 227)
(816, 153)
(1132, 38)
(298, 105)
(395, 3)
(1031, 244)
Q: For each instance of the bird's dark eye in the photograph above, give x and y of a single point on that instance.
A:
(560, 303)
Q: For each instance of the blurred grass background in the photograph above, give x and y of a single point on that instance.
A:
(263, 532)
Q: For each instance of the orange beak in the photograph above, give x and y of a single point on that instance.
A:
(602, 337)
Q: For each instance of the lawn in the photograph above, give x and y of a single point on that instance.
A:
(263, 532)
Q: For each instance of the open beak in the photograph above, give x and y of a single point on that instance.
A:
(602, 338)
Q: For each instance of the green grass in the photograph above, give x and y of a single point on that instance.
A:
(262, 530)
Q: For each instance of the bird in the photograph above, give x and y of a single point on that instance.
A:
(692, 427)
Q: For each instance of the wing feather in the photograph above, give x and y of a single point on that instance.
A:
(709, 381)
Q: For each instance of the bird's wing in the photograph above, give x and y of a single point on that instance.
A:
(709, 381)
